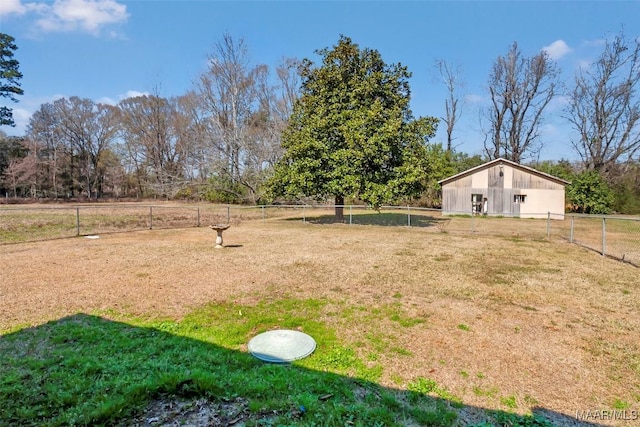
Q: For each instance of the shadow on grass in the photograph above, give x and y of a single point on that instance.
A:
(391, 219)
(88, 370)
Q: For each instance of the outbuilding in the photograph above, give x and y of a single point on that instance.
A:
(504, 188)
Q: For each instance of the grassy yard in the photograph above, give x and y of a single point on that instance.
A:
(413, 327)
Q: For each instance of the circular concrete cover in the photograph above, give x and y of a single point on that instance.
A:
(281, 346)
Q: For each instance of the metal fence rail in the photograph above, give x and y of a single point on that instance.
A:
(613, 236)
(24, 224)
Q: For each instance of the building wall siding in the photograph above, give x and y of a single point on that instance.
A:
(499, 186)
(540, 202)
(526, 180)
(465, 182)
(480, 179)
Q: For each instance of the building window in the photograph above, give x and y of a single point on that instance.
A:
(519, 198)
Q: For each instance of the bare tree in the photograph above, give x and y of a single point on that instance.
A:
(44, 128)
(289, 86)
(132, 119)
(21, 175)
(268, 121)
(246, 113)
(89, 130)
(228, 92)
(156, 140)
(12, 148)
(604, 107)
(452, 80)
(520, 90)
(198, 152)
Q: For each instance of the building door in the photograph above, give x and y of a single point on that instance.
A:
(476, 204)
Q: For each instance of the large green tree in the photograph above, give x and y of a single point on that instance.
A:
(9, 77)
(589, 193)
(351, 133)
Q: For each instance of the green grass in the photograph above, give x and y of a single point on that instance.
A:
(513, 420)
(87, 370)
(33, 224)
(490, 392)
(464, 327)
(23, 227)
(90, 370)
(509, 402)
(620, 404)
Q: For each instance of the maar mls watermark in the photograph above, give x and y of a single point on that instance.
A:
(607, 415)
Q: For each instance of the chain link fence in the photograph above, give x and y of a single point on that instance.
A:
(613, 236)
(23, 224)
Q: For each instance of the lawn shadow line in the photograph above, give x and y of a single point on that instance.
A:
(88, 370)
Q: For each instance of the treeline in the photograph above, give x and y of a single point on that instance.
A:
(170, 165)
(221, 141)
(217, 142)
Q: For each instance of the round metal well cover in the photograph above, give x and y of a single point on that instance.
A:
(281, 346)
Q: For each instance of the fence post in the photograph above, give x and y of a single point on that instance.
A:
(77, 221)
(408, 216)
(228, 214)
(262, 213)
(150, 217)
(472, 221)
(198, 216)
(350, 214)
(604, 237)
(548, 224)
(304, 214)
(571, 230)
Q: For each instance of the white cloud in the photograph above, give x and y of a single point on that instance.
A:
(134, 94)
(9, 7)
(88, 15)
(107, 100)
(69, 15)
(557, 49)
(21, 118)
(16, 7)
(24, 109)
(128, 94)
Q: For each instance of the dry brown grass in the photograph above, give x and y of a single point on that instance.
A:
(546, 322)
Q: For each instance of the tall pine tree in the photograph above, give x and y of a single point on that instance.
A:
(9, 77)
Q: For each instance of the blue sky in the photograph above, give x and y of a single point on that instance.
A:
(107, 50)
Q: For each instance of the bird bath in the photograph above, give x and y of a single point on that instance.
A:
(219, 228)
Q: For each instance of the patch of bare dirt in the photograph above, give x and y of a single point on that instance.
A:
(172, 411)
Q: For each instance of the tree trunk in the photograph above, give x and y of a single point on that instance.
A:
(339, 206)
